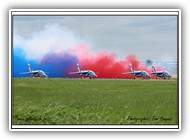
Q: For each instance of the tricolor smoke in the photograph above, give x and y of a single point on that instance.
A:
(57, 50)
(106, 65)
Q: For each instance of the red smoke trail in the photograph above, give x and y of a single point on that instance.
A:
(105, 64)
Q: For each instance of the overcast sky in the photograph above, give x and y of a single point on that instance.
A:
(147, 37)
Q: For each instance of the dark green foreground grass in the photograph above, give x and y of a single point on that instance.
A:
(76, 101)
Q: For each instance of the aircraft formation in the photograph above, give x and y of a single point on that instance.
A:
(92, 75)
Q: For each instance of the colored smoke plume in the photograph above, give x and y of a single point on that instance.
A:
(57, 50)
(58, 64)
(108, 67)
(105, 64)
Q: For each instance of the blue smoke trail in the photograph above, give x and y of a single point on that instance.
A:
(20, 63)
(59, 64)
(54, 64)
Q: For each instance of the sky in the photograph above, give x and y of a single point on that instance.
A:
(93, 41)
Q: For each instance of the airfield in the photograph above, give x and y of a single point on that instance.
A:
(63, 101)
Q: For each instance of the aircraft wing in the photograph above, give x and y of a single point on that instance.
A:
(157, 72)
(29, 73)
(82, 72)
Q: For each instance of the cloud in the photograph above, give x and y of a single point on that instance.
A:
(53, 38)
(123, 35)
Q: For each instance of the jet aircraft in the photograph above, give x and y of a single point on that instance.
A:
(85, 73)
(35, 73)
(161, 74)
(141, 73)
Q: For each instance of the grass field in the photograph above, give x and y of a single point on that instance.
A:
(99, 101)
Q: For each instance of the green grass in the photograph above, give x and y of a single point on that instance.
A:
(76, 101)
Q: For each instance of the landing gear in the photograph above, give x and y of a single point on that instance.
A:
(91, 77)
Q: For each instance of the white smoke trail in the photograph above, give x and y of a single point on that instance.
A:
(53, 38)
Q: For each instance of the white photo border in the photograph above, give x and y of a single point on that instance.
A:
(91, 12)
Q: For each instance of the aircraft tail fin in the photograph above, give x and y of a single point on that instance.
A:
(153, 69)
(131, 67)
(79, 69)
(29, 69)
